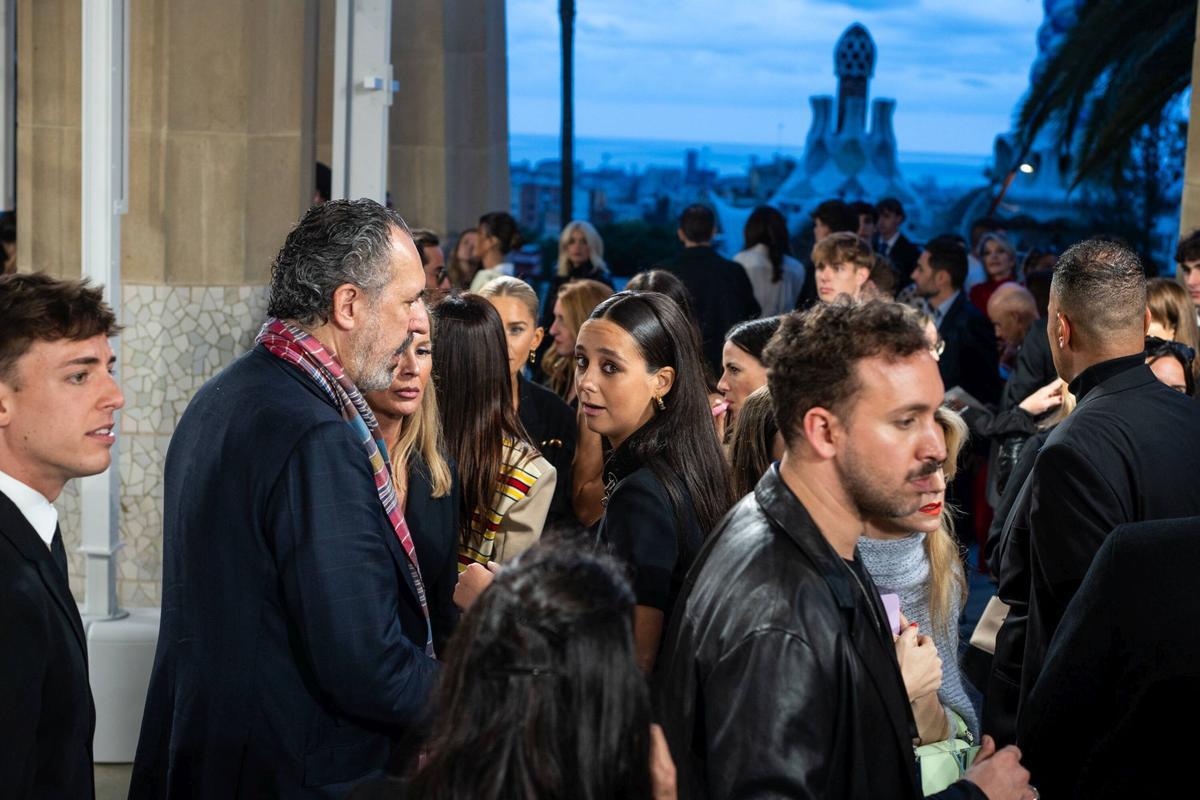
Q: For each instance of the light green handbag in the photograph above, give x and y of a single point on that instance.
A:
(942, 763)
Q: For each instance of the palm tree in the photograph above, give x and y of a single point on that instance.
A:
(1113, 75)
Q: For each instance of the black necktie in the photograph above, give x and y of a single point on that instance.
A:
(58, 551)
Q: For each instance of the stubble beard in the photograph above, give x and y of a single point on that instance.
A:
(373, 365)
(869, 495)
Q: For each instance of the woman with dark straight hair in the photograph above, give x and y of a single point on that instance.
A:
(506, 484)
(777, 278)
(641, 386)
(741, 358)
(541, 696)
(498, 235)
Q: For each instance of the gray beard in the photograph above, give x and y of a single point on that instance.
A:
(377, 377)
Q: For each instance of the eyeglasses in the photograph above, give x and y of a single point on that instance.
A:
(938, 348)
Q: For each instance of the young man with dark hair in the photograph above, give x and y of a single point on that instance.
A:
(867, 218)
(889, 241)
(1187, 266)
(58, 404)
(720, 289)
(1129, 452)
(779, 674)
(295, 650)
(843, 264)
(970, 359)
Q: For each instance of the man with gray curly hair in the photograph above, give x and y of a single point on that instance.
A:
(294, 652)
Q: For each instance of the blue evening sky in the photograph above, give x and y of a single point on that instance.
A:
(738, 70)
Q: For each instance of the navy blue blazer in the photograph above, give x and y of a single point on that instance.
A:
(291, 655)
(970, 359)
(46, 712)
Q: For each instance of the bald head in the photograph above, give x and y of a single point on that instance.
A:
(1012, 309)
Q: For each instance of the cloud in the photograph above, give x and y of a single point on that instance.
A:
(752, 66)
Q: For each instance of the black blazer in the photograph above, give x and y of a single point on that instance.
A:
(291, 649)
(433, 523)
(550, 424)
(970, 359)
(1119, 694)
(1130, 452)
(778, 677)
(46, 712)
(721, 292)
(1034, 367)
(904, 256)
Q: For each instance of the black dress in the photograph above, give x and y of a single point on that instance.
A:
(550, 424)
(433, 523)
(643, 528)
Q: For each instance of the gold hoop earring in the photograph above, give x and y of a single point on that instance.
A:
(658, 401)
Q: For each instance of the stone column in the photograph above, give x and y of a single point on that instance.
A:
(1189, 216)
(219, 168)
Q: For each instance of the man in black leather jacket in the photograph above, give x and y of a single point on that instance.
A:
(779, 677)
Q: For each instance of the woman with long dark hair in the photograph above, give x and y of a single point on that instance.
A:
(507, 486)
(776, 276)
(541, 697)
(641, 386)
(426, 481)
(498, 235)
(744, 371)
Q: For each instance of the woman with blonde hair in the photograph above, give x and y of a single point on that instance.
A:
(917, 558)
(549, 421)
(580, 258)
(1173, 315)
(571, 309)
(426, 480)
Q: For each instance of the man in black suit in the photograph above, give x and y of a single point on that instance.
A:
(58, 402)
(969, 358)
(889, 241)
(294, 652)
(1113, 713)
(719, 287)
(1129, 452)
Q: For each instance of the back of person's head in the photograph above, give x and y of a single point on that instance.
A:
(595, 245)
(890, 205)
(698, 224)
(663, 282)
(766, 226)
(508, 286)
(1171, 306)
(470, 370)
(1184, 355)
(504, 227)
(753, 335)
(1188, 249)
(679, 439)
(864, 209)
(947, 254)
(812, 361)
(335, 243)
(541, 695)
(843, 248)
(883, 277)
(836, 215)
(1100, 287)
(1012, 298)
(38, 308)
(752, 445)
(323, 177)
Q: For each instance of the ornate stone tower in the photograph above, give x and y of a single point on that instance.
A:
(854, 65)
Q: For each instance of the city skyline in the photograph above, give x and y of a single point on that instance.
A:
(701, 70)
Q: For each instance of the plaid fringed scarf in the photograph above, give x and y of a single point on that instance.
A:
(299, 348)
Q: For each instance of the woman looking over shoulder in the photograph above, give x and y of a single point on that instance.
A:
(549, 421)
(507, 487)
(641, 387)
(917, 558)
(426, 482)
(497, 236)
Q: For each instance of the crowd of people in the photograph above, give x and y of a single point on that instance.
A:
(442, 535)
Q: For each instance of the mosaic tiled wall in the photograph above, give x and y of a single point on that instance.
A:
(175, 339)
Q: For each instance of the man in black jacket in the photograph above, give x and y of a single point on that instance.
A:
(58, 402)
(1117, 700)
(1129, 451)
(720, 289)
(889, 241)
(294, 651)
(779, 675)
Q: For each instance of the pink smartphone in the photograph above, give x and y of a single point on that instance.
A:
(891, 604)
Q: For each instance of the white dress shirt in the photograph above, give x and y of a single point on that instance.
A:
(41, 515)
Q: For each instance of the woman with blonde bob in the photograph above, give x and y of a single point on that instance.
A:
(426, 480)
(917, 558)
(580, 258)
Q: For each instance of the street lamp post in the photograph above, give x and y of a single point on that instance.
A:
(566, 12)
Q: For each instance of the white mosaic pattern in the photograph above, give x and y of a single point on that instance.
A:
(175, 339)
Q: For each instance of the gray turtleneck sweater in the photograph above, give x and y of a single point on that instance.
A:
(900, 566)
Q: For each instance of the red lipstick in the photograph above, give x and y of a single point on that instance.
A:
(932, 509)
